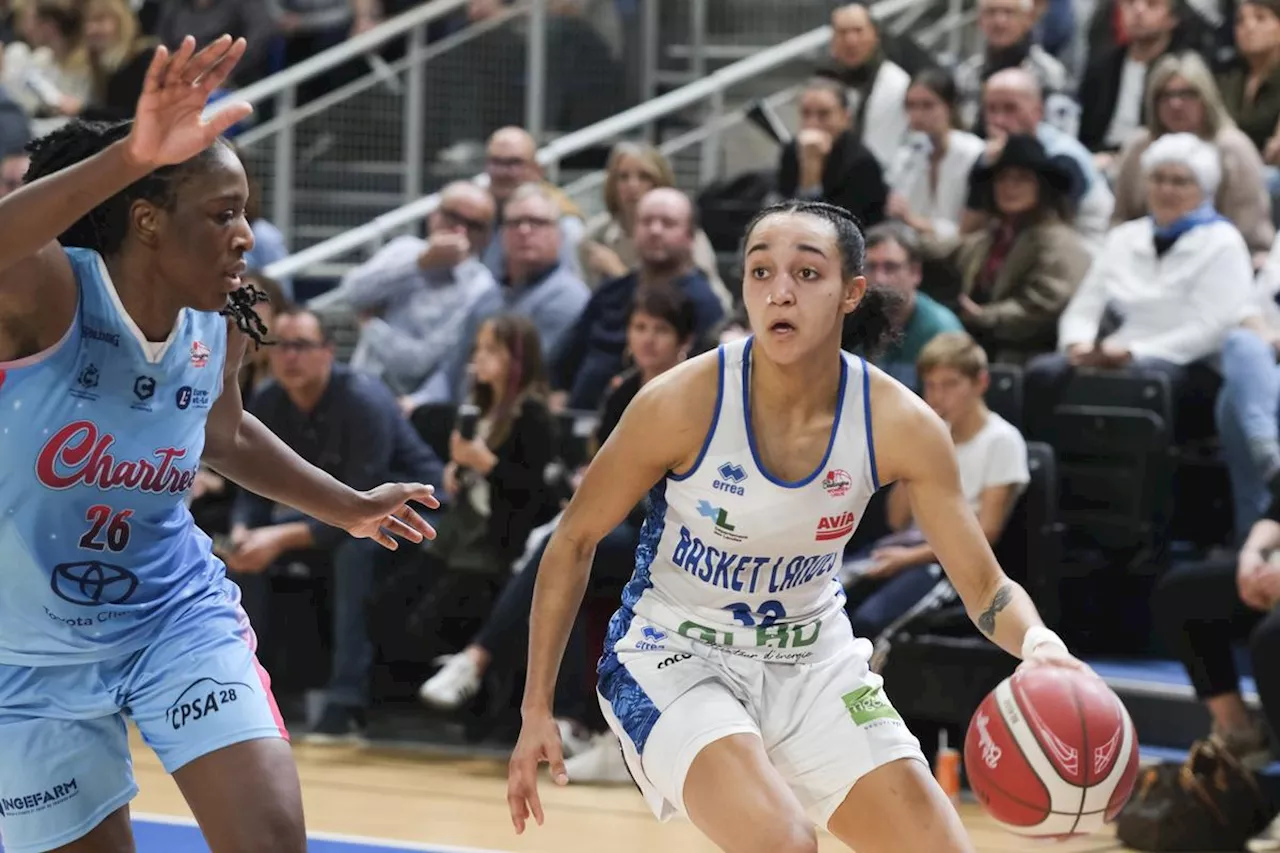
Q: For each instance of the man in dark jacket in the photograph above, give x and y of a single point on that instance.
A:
(827, 162)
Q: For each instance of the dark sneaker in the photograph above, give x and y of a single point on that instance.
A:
(338, 725)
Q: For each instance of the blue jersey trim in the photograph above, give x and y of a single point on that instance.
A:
(631, 705)
(866, 408)
(751, 434)
(711, 432)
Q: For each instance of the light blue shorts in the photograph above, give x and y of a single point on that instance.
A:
(64, 747)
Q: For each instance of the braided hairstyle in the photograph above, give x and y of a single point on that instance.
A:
(104, 228)
(870, 327)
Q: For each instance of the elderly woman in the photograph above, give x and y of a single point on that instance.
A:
(607, 250)
(928, 177)
(1178, 279)
(1183, 98)
(1018, 273)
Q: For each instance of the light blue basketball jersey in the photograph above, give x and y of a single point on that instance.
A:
(99, 445)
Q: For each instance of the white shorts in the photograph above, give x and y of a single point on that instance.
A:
(824, 725)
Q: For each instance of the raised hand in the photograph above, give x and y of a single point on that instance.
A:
(385, 514)
(169, 125)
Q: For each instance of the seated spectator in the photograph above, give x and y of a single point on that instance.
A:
(496, 477)
(1013, 105)
(48, 72)
(534, 284)
(207, 20)
(826, 162)
(1248, 406)
(510, 162)
(1018, 273)
(608, 250)
(929, 176)
(1111, 93)
(119, 55)
(877, 85)
(660, 330)
(902, 570)
(1178, 280)
(15, 135)
(1182, 98)
(1006, 30)
(893, 262)
(1201, 612)
(1251, 84)
(414, 295)
(348, 425)
(594, 351)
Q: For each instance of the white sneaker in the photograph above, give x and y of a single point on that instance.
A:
(457, 682)
(574, 740)
(602, 764)
(1267, 841)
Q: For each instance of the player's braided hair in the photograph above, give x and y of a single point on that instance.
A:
(871, 327)
(104, 228)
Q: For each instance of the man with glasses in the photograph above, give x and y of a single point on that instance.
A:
(413, 295)
(347, 424)
(510, 162)
(893, 262)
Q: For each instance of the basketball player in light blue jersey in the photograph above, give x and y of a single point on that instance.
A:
(123, 319)
(730, 673)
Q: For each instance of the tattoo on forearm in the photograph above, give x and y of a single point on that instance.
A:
(999, 601)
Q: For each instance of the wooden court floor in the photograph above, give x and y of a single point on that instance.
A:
(452, 802)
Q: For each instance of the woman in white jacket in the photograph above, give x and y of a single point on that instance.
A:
(929, 175)
(1178, 279)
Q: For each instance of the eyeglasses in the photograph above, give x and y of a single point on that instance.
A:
(453, 218)
(507, 162)
(884, 267)
(534, 223)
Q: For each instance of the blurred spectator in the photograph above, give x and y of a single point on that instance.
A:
(1006, 29)
(1111, 94)
(585, 81)
(929, 176)
(1178, 280)
(534, 284)
(119, 56)
(660, 331)
(826, 161)
(1251, 85)
(893, 261)
(510, 161)
(1182, 98)
(496, 477)
(1012, 104)
(268, 242)
(48, 74)
(607, 250)
(594, 351)
(1248, 406)
(1202, 611)
(876, 84)
(1018, 273)
(312, 26)
(15, 133)
(414, 295)
(1055, 25)
(206, 20)
(348, 425)
(901, 570)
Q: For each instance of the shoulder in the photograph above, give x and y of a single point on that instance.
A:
(679, 406)
(534, 408)
(1223, 235)
(1057, 234)
(564, 282)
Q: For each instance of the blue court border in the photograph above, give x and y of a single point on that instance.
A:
(160, 834)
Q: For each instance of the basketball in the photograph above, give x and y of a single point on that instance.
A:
(1051, 753)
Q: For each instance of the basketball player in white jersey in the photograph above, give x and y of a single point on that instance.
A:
(730, 673)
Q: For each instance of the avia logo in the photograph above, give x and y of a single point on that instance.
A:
(835, 526)
(730, 476)
(837, 483)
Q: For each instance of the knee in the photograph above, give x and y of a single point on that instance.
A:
(278, 830)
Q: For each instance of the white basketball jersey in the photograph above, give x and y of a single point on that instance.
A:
(732, 556)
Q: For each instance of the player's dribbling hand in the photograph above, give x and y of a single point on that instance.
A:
(1052, 654)
(169, 125)
(384, 513)
(539, 742)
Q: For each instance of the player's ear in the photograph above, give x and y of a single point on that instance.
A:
(855, 287)
(145, 222)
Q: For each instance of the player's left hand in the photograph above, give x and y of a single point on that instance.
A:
(384, 513)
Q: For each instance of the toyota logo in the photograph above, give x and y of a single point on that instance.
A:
(93, 584)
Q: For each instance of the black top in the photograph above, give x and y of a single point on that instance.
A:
(355, 433)
(851, 178)
(518, 496)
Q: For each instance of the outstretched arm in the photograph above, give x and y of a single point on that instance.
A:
(915, 448)
(240, 448)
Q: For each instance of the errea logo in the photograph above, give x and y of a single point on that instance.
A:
(729, 479)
